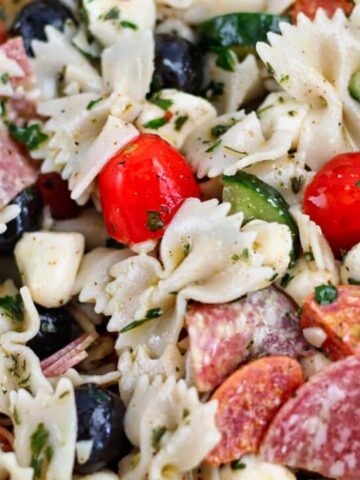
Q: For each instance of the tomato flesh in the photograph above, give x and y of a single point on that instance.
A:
(309, 7)
(332, 200)
(56, 194)
(142, 187)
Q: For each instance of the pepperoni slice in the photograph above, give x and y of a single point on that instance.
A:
(248, 402)
(309, 7)
(318, 430)
(223, 336)
(339, 322)
(15, 170)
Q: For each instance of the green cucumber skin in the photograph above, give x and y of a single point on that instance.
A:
(234, 29)
(258, 200)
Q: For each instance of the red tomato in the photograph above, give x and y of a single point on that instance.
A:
(142, 187)
(55, 193)
(332, 200)
(309, 7)
(3, 32)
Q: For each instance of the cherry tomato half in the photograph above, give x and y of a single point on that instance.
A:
(309, 7)
(332, 200)
(142, 187)
(55, 193)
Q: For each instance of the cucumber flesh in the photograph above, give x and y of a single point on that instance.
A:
(257, 200)
(239, 29)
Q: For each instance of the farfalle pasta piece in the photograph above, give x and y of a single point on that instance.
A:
(43, 439)
(314, 63)
(105, 475)
(166, 422)
(350, 268)
(133, 364)
(10, 468)
(174, 115)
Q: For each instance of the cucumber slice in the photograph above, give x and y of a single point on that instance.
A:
(257, 200)
(354, 86)
(239, 29)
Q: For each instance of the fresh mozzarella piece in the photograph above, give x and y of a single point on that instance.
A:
(314, 363)
(48, 263)
(128, 65)
(184, 113)
(350, 269)
(108, 19)
(253, 468)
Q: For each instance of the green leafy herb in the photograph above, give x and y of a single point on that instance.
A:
(238, 465)
(156, 436)
(284, 78)
(112, 14)
(186, 412)
(297, 183)
(4, 78)
(150, 315)
(154, 221)
(353, 281)
(213, 147)
(326, 294)
(31, 136)
(127, 24)
(92, 103)
(111, 243)
(226, 58)
(243, 256)
(16, 417)
(41, 452)
(180, 122)
(286, 279)
(156, 123)
(219, 130)
(309, 257)
(2, 107)
(13, 306)
(270, 69)
(263, 110)
(186, 249)
(163, 103)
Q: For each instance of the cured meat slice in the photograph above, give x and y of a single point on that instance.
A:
(15, 171)
(338, 322)
(14, 49)
(309, 7)
(223, 336)
(248, 401)
(318, 430)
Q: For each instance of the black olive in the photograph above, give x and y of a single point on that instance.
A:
(29, 219)
(31, 21)
(100, 419)
(178, 64)
(55, 331)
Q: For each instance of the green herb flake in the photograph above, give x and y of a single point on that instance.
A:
(154, 221)
(186, 249)
(286, 279)
(180, 122)
(261, 111)
(41, 452)
(150, 315)
(92, 103)
(186, 413)
(297, 183)
(31, 136)
(309, 257)
(16, 417)
(153, 313)
(238, 465)
(155, 123)
(112, 14)
(4, 78)
(226, 58)
(163, 103)
(219, 130)
(283, 79)
(213, 147)
(156, 436)
(127, 24)
(270, 69)
(326, 294)
(13, 307)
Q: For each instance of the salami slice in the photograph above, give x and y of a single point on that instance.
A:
(15, 171)
(337, 322)
(223, 336)
(318, 430)
(14, 49)
(248, 401)
(309, 7)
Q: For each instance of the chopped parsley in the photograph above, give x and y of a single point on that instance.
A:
(154, 221)
(238, 465)
(127, 24)
(163, 103)
(226, 58)
(263, 110)
(286, 279)
(41, 451)
(180, 122)
(112, 14)
(284, 78)
(186, 249)
(219, 130)
(31, 136)
(243, 256)
(156, 123)
(4, 78)
(326, 294)
(186, 412)
(213, 147)
(353, 281)
(150, 315)
(156, 436)
(92, 103)
(13, 306)
(297, 183)
(270, 69)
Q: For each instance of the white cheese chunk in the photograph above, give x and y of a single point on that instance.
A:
(48, 263)
(315, 336)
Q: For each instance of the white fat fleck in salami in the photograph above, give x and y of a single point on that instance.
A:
(15, 171)
(318, 430)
